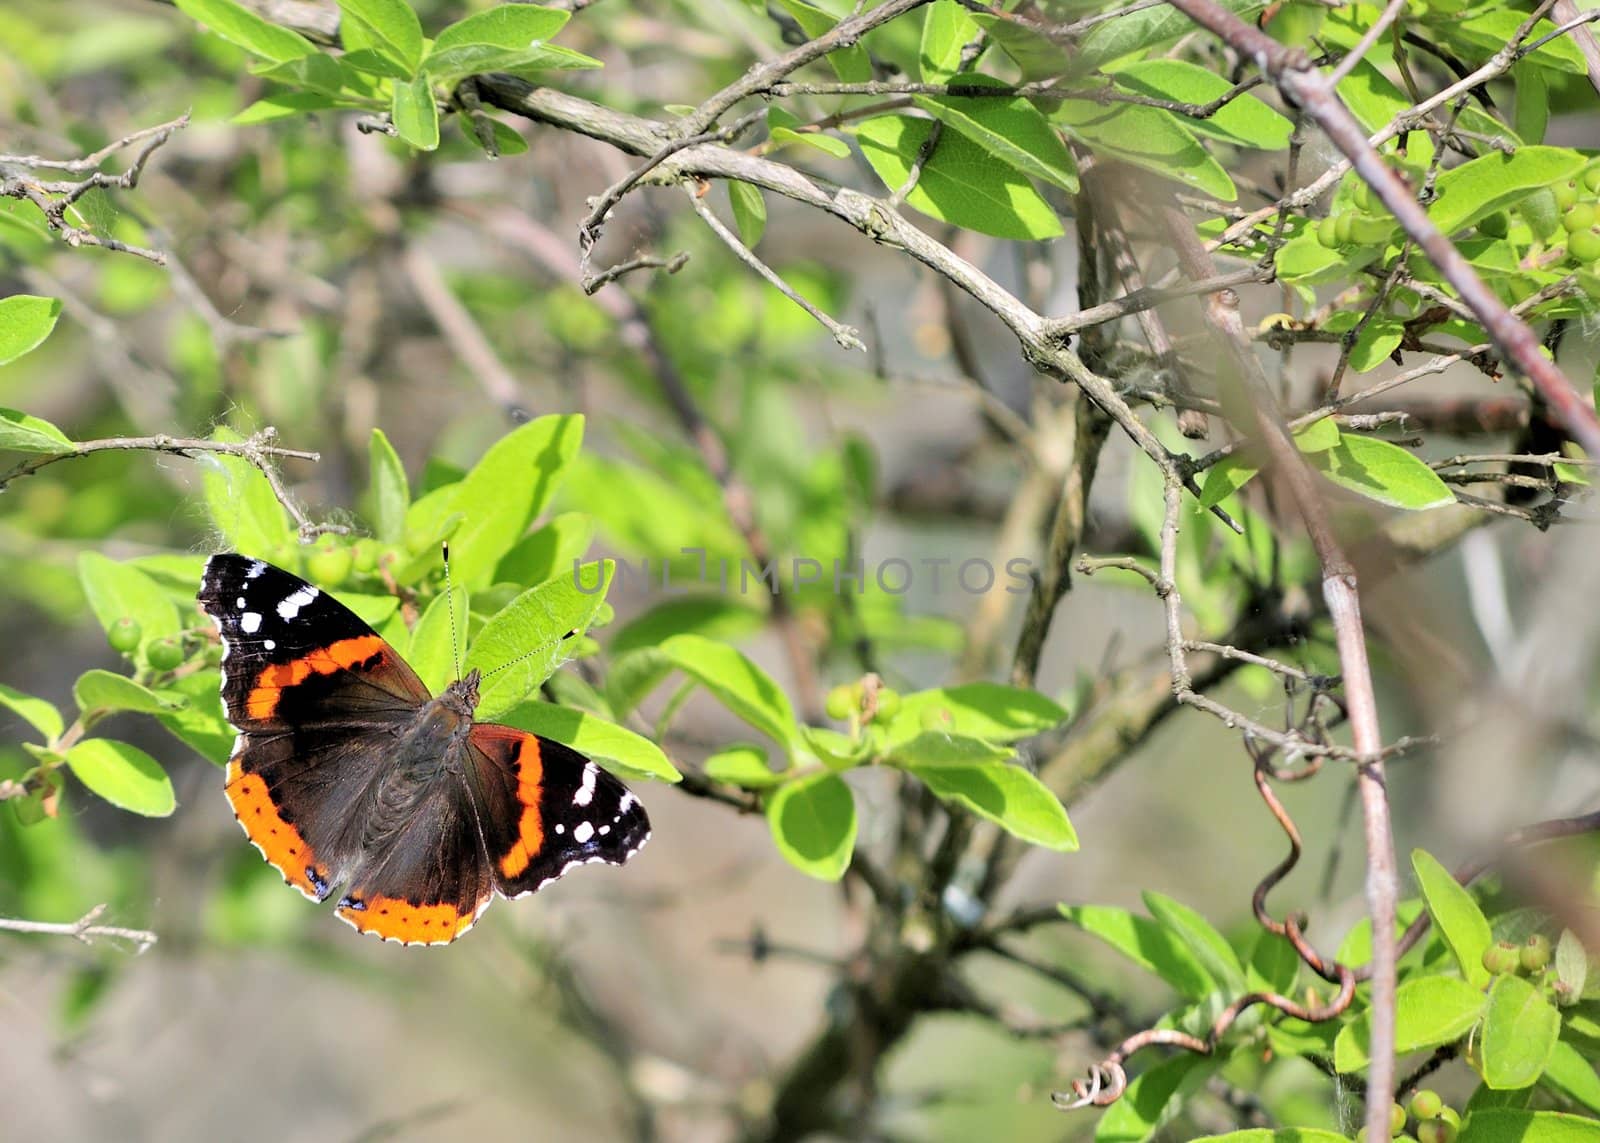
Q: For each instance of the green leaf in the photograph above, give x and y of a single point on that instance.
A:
(1138, 30)
(116, 589)
(1144, 1107)
(992, 711)
(287, 105)
(946, 29)
(1515, 1126)
(1379, 338)
(1005, 794)
(939, 748)
(1038, 56)
(1467, 194)
(552, 549)
(20, 432)
(960, 184)
(1210, 947)
(749, 211)
(594, 736)
(1012, 130)
(315, 72)
(1383, 472)
(1274, 966)
(1456, 916)
(506, 491)
(416, 115)
(123, 775)
(25, 321)
(851, 64)
(1244, 121)
(1492, 28)
(1148, 137)
(238, 25)
(633, 675)
(1572, 967)
(742, 765)
(241, 502)
(435, 640)
(1430, 1011)
(36, 712)
(390, 26)
(1226, 477)
(388, 489)
(739, 684)
(514, 26)
(451, 64)
(527, 637)
(780, 131)
(1572, 1075)
(1375, 101)
(104, 691)
(713, 616)
(1145, 942)
(201, 724)
(1519, 1033)
(1531, 107)
(1282, 1135)
(813, 822)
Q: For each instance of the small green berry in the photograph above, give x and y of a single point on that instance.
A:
(329, 564)
(888, 704)
(1346, 229)
(1397, 1119)
(364, 555)
(1436, 1131)
(840, 703)
(1328, 232)
(1579, 216)
(1584, 245)
(1500, 958)
(1535, 954)
(124, 635)
(1566, 193)
(1451, 1116)
(1426, 1104)
(1591, 180)
(165, 654)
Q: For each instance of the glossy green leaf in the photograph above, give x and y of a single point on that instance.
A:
(1520, 1029)
(200, 723)
(781, 133)
(1429, 1011)
(1037, 56)
(1005, 794)
(287, 105)
(25, 321)
(992, 711)
(524, 642)
(713, 616)
(1572, 968)
(742, 765)
(1492, 27)
(1378, 339)
(813, 823)
(390, 26)
(1383, 472)
(20, 432)
(388, 489)
(415, 114)
(1145, 1106)
(451, 64)
(1148, 137)
(942, 748)
(1568, 1072)
(1466, 195)
(38, 713)
(514, 26)
(1245, 120)
(123, 775)
(1273, 966)
(738, 683)
(1226, 477)
(960, 183)
(1012, 130)
(242, 505)
(1517, 1126)
(1147, 943)
(1144, 28)
(851, 64)
(589, 734)
(1456, 916)
(946, 29)
(1209, 947)
(749, 211)
(238, 25)
(633, 675)
(552, 549)
(437, 638)
(505, 492)
(117, 589)
(105, 691)
(1375, 101)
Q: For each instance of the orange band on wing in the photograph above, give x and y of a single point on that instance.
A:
(397, 920)
(530, 827)
(279, 841)
(262, 701)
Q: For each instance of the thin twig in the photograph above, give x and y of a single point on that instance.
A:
(83, 929)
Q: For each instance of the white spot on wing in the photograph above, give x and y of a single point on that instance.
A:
(627, 801)
(583, 832)
(269, 644)
(239, 603)
(290, 607)
(250, 622)
(585, 793)
(255, 569)
(560, 828)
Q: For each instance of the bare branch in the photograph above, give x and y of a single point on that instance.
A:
(83, 929)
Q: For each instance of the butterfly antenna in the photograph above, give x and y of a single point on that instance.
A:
(450, 606)
(539, 650)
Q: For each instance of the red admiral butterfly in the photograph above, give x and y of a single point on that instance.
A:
(347, 772)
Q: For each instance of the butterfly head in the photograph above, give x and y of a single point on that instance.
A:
(462, 695)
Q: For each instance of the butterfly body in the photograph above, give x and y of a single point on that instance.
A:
(347, 773)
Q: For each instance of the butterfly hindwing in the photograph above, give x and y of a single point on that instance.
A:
(545, 808)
